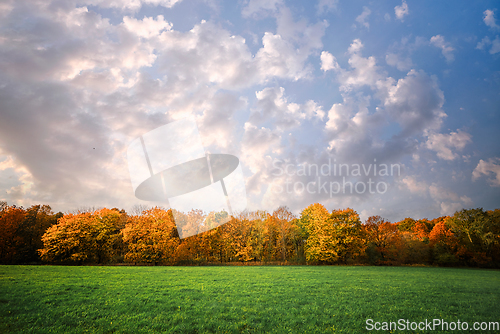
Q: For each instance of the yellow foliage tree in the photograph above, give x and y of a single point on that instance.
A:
(331, 238)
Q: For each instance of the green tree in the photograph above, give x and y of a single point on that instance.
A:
(477, 233)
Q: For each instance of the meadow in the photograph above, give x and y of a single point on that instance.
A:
(239, 299)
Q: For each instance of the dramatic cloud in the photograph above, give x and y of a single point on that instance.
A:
(275, 83)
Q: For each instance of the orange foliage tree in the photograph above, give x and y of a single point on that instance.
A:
(83, 238)
(151, 237)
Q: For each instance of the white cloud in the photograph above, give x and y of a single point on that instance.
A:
(449, 201)
(147, 27)
(415, 186)
(209, 54)
(449, 208)
(278, 58)
(313, 110)
(415, 102)
(285, 53)
(273, 106)
(259, 7)
(301, 33)
(362, 19)
(257, 144)
(443, 144)
(364, 70)
(328, 62)
(325, 6)
(446, 49)
(131, 5)
(440, 193)
(395, 60)
(401, 11)
(488, 168)
(217, 125)
(495, 44)
(399, 54)
(489, 19)
(356, 46)
(484, 42)
(352, 131)
(73, 42)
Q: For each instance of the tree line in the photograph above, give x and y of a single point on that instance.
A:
(470, 237)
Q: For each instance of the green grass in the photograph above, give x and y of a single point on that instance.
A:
(288, 299)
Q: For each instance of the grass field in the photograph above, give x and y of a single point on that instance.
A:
(266, 299)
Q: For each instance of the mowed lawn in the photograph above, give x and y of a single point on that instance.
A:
(264, 299)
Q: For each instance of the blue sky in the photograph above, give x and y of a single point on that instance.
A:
(276, 83)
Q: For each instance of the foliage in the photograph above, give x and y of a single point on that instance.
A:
(477, 234)
(468, 238)
(82, 238)
(151, 237)
(332, 238)
(10, 221)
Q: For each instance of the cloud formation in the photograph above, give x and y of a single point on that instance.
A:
(266, 81)
(489, 19)
(443, 144)
(446, 49)
(362, 19)
(491, 168)
(401, 11)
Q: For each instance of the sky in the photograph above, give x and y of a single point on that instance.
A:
(391, 108)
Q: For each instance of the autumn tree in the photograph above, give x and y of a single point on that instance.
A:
(443, 243)
(151, 237)
(82, 238)
(255, 227)
(37, 220)
(11, 218)
(377, 239)
(332, 238)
